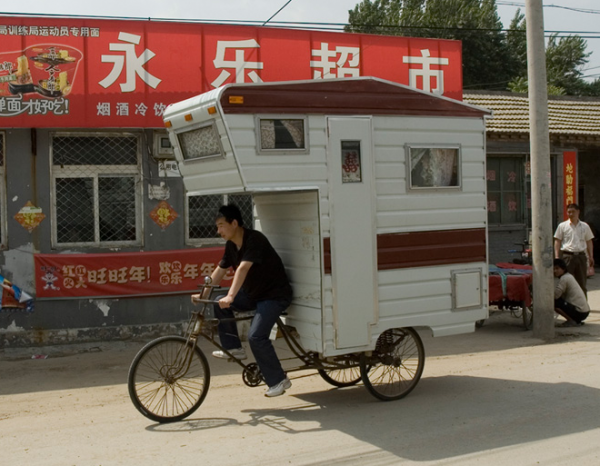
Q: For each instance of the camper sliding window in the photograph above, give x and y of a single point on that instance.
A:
(433, 167)
(200, 143)
(277, 135)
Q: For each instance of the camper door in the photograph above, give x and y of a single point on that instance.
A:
(353, 233)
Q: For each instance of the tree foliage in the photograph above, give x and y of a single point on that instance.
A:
(492, 57)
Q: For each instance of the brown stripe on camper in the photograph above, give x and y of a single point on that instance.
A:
(423, 248)
(366, 96)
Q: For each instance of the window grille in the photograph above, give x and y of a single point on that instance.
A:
(96, 189)
(505, 190)
(202, 212)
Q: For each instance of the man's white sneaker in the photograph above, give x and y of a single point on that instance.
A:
(237, 353)
(279, 389)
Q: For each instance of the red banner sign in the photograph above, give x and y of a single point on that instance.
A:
(124, 274)
(57, 72)
(570, 180)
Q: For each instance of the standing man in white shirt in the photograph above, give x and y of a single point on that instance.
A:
(573, 243)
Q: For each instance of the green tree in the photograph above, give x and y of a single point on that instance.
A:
(492, 58)
(475, 22)
(516, 41)
(565, 59)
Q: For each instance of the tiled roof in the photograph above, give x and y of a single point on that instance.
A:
(567, 115)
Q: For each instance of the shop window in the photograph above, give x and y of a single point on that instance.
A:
(434, 167)
(202, 212)
(282, 135)
(505, 183)
(96, 186)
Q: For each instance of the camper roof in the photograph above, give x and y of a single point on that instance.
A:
(341, 96)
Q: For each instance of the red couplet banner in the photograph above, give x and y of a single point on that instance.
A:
(124, 274)
(570, 180)
(89, 73)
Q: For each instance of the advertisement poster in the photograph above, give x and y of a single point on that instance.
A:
(94, 73)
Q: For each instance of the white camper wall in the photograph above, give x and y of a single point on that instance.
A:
(277, 171)
(290, 220)
(423, 296)
(203, 176)
(401, 210)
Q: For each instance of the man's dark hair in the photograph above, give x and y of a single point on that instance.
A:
(230, 213)
(573, 206)
(560, 263)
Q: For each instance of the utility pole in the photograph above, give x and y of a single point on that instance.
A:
(541, 191)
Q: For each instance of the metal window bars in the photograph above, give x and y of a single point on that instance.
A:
(96, 181)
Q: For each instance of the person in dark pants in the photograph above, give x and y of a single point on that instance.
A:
(259, 283)
(573, 243)
(569, 299)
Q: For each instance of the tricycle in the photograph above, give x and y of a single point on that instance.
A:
(170, 376)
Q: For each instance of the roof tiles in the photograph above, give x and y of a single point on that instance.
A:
(567, 115)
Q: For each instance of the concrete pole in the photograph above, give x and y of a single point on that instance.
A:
(541, 192)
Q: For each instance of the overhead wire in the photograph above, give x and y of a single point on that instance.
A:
(277, 12)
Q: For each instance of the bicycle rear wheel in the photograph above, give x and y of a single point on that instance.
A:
(168, 379)
(395, 366)
(341, 377)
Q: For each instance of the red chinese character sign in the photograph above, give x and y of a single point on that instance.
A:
(59, 72)
(570, 180)
(124, 274)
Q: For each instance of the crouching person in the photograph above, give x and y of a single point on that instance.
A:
(569, 299)
(259, 283)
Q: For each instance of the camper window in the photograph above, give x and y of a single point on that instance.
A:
(200, 143)
(433, 167)
(280, 135)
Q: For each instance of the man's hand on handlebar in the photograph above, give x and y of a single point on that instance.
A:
(225, 302)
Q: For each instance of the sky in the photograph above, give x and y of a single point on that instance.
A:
(559, 15)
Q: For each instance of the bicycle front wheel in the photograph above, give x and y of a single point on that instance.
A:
(168, 379)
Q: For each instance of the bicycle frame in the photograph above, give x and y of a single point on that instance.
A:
(200, 326)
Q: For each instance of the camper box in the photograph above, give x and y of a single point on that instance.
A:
(373, 194)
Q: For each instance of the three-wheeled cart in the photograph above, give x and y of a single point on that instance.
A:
(373, 194)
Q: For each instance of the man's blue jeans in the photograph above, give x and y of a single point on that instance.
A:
(266, 315)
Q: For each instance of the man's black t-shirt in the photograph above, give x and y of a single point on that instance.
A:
(266, 278)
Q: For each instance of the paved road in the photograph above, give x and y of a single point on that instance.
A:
(497, 396)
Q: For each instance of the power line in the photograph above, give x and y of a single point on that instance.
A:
(579, 10)
(305, 25)
(277, 12)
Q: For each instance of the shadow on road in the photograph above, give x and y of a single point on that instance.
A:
(448, 416)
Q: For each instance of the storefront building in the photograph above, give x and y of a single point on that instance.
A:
(94, 221)
(574, 124)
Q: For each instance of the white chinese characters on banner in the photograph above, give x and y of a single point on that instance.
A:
(347, 64)
(239, 65)
(133, 64)
(425, 72)
(123, 109)
(48, 31)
